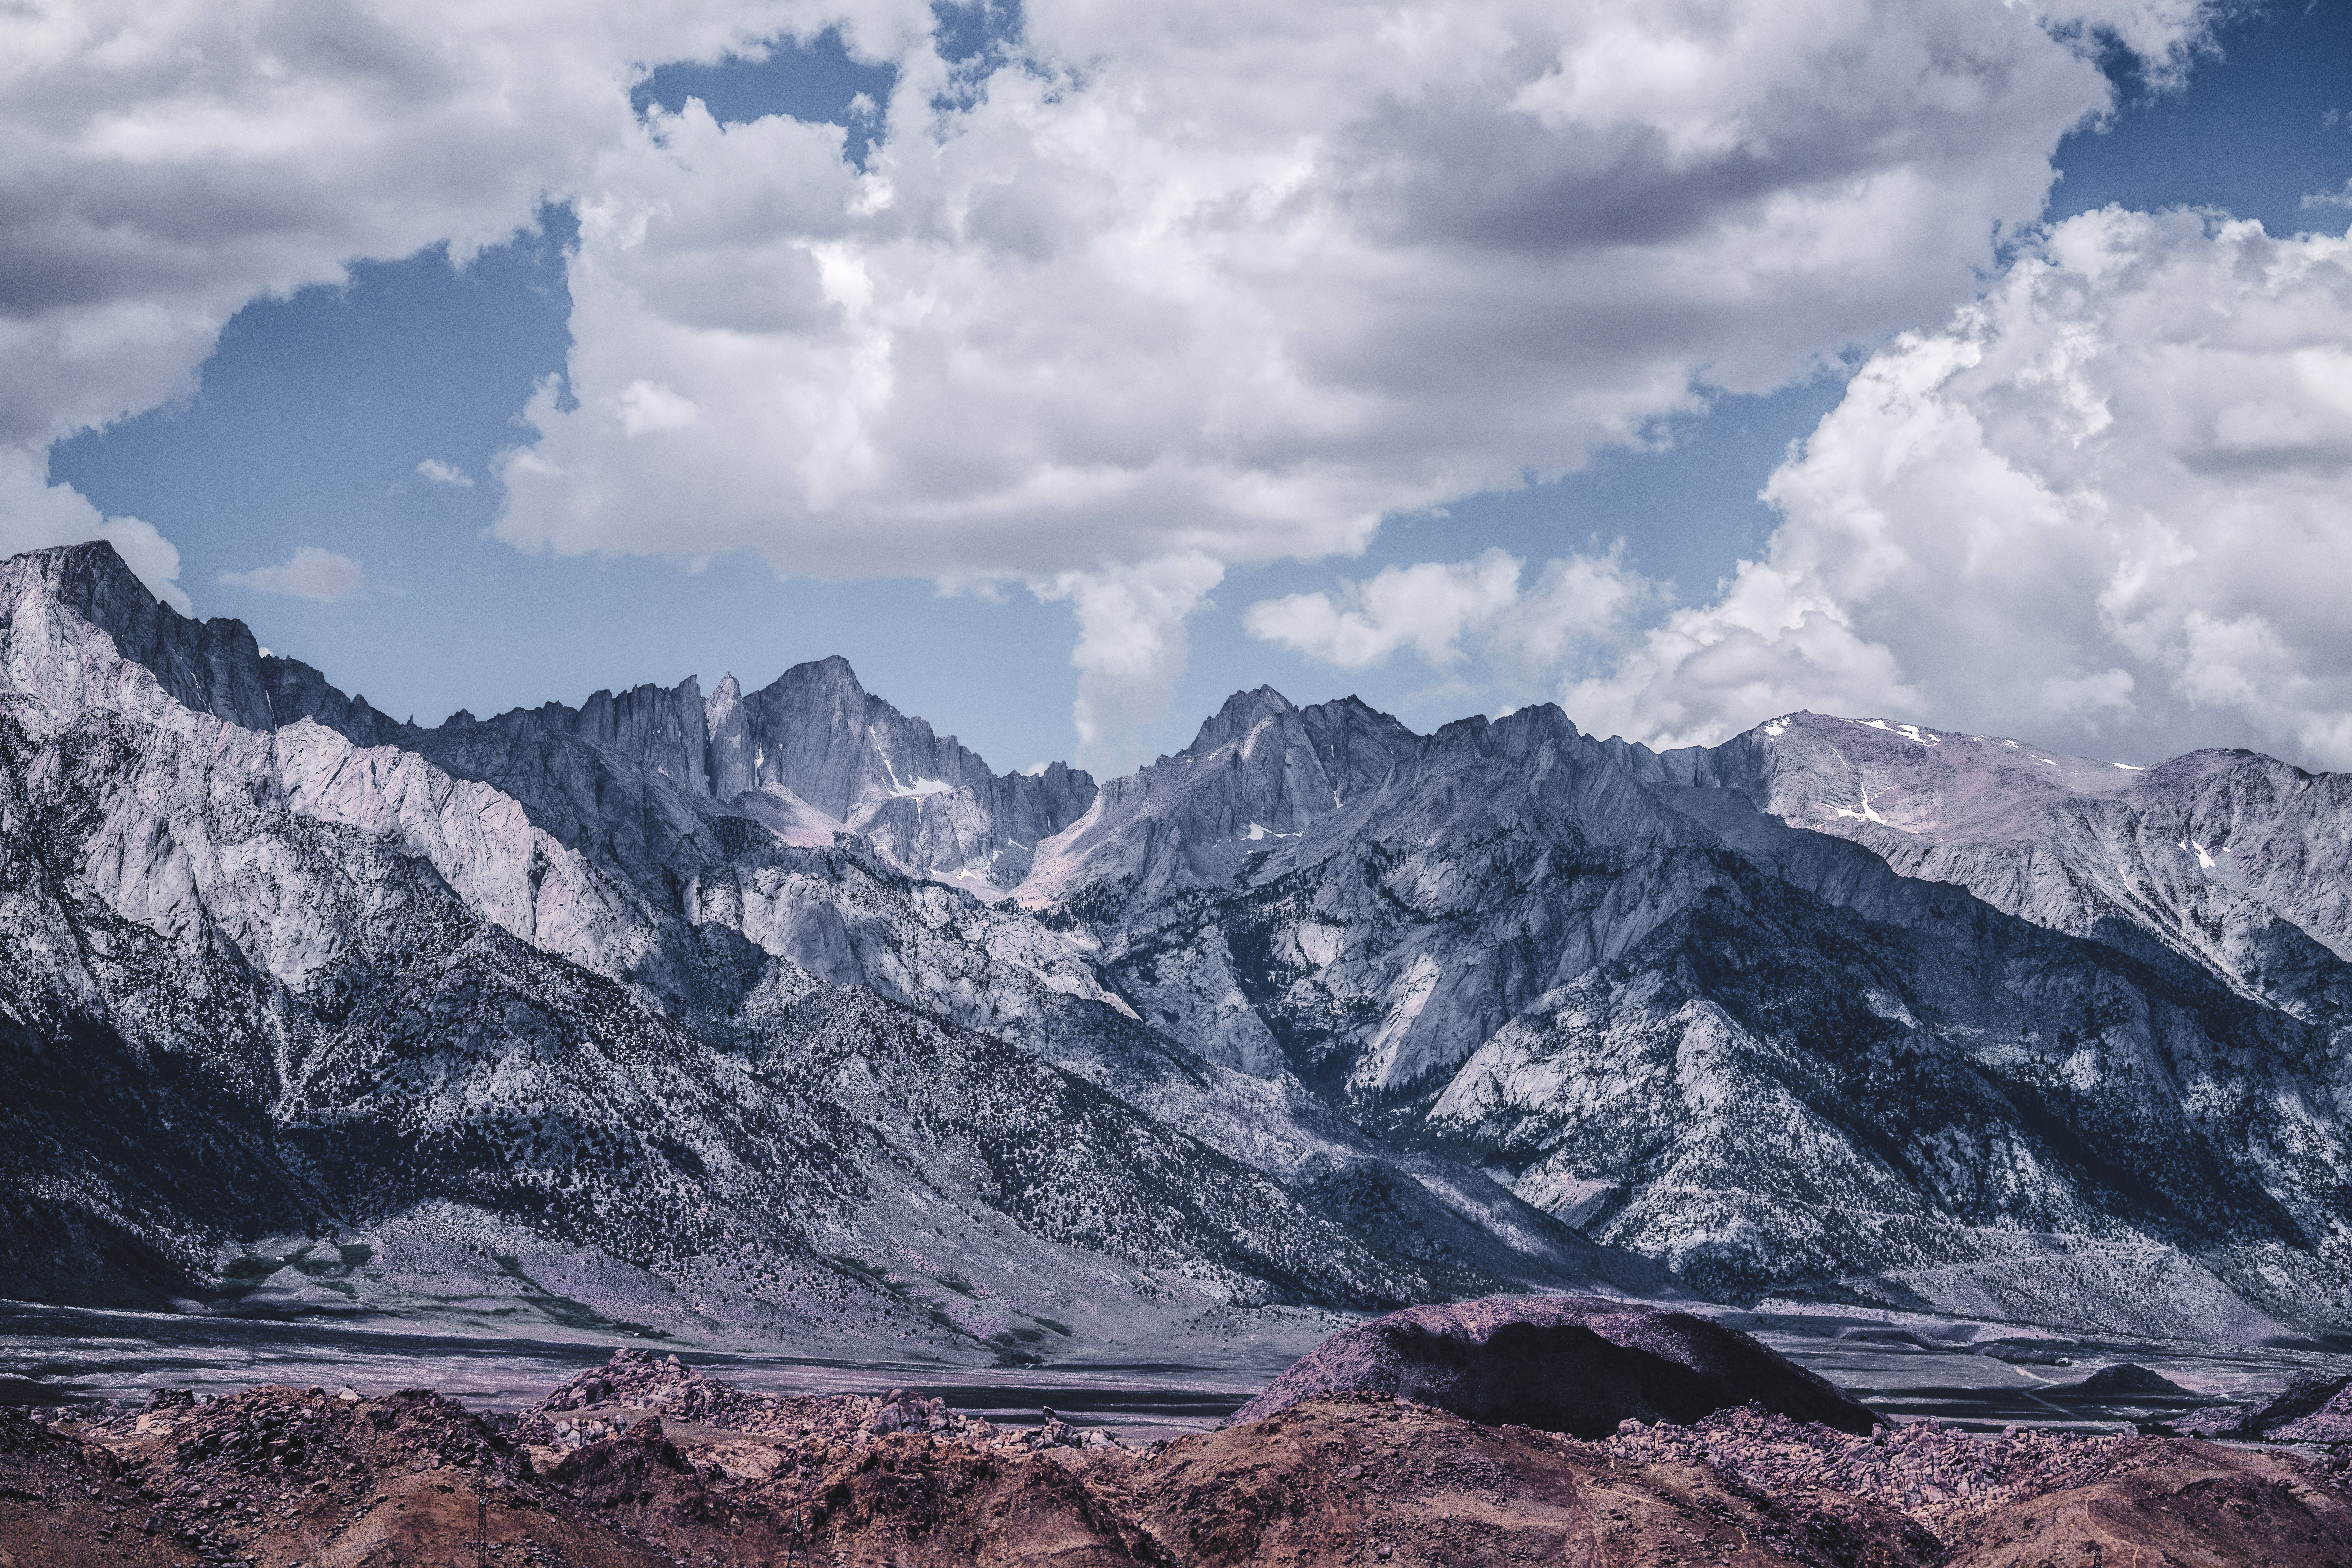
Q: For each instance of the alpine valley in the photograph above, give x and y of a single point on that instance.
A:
(776, 1017)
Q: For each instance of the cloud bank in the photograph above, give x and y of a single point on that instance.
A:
(1577, 605)
(1149, 290)
(162, 165)
(2110, 503)
(1216, 280)
(1240, 281)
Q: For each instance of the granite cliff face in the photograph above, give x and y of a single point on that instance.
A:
(1719, 1007)
(305, 1010)
(779, 1013)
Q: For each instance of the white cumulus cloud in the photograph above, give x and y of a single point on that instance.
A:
(1132, 645)
(162, 165)
(442, 473)
(1153, 282)
(1444, 610)
(310, 573)
(2109, 505)
(1235, 281)
(1424, 607)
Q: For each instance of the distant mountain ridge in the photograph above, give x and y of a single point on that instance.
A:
(818, 752)
(304, 1019)
(1317, 1011)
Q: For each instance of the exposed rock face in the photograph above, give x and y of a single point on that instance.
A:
(1756, 1050)
(1317, 1011)
(323, 1025)
(1259, 774)
(1350, 1480)
(2024, 1499)
(1564, 1365)
(286, 1476)
(291, 1475)
(2329, 1422)
(614, 1399)
(817, 738)
(2230, 859)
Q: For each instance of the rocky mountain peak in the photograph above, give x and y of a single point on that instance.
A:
(1817, 769)
(2231, 860)
(1885, 1013)
(729, 738)
(1243, 712)
(214, 667)
(1351, 743)
(1261, 772)
(93, 578)
(817, 733)
(826, 752)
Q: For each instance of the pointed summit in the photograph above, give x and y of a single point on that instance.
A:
(214, 667)
(1242, 711)
(819, 734)
(1262, 772)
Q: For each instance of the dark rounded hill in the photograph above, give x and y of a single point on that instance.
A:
(1578, 1364)
(2124, 1377)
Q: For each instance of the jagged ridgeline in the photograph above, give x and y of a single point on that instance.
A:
(776, 1016)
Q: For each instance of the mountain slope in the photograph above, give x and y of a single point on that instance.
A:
(781, 1014)
(1765, 1055)
(266, 989)
(2234, 860)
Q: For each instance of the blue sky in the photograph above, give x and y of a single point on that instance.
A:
(309, 420)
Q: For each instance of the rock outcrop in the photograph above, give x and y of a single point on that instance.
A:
(287, 1476)
(2309, 1409)
(1564, 1365)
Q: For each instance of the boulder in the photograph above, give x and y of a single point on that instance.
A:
(1577, 1364)
(2212, 1421)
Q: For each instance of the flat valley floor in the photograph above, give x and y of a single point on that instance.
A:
(1967, 1373)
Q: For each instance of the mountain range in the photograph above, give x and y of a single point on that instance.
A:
(778, 1016)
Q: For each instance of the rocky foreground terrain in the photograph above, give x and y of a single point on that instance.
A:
(645, 1461)
(776, 1017)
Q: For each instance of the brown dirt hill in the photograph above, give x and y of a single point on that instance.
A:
(281, 1477)
(2169, 1502)
(1363, 1479)
(62, 1506)
(285, 1476)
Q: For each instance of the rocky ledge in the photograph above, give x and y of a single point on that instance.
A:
(645, 1460)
